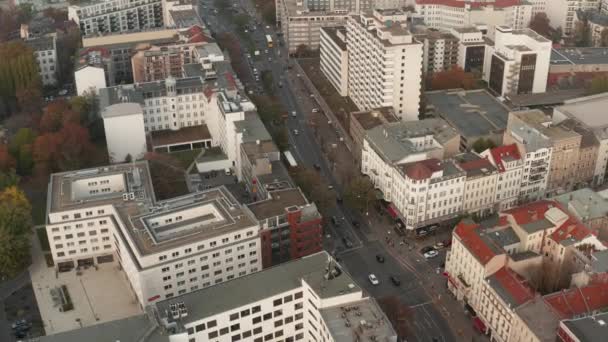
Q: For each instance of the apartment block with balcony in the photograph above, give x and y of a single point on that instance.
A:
(334, 57)
(116, 16)
(384, 63)
(440, 51)
(517, 62)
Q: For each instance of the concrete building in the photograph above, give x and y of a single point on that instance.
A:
(597, 21)
(181, 13)
(562, 13)
(45, 53)
(471, 48)
(334, 57)
(475, 114)
(586, 112)
(589, 207)
(480, 184)
(361, 122)
(448, 14)
(122, 46)
(93, 71)
(507, 159)
(576, 67)
(116, 16)
(517, 62)
(440, 51)
(589, 328)
(110, 213)
(373, 40)
(290, 226)
(123, 124)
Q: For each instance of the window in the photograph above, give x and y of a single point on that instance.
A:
(267, 316)
(256, 309)
(234, 316)
(212, 324)
(235, 327)
(277, 302)
(256, 320)
(224, 331)
(212, 334)
(245, 313)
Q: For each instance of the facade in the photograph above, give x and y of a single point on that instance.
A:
(576, 66)
(373, 40)
(517, 62)
(123, 124)
(291, 227)
(480, 184)
(562, 13)
(334, 57)
(471, 48)
(116, 16)
(45, 52)
(164, 248)
(440, 51)
(597, 21)
(507, 159)
(448, 14)
(93, 70)
(586, 114)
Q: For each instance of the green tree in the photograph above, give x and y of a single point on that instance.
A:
(314, 188)
(482, 144)
(540, 24)
(599, 84)
(582, 32)
(15, 228)
(360, 194)
(8, 178)
(21, 149)
(18, 71)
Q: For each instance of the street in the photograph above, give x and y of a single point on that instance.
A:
(435, 315)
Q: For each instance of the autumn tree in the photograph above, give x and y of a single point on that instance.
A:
(56, 14)
(582, 32)
(7, 161)
(599, 84)
(540, 24)
(454, 78)
(314, 187)
(360, 193)
(398, 313)
(604, 38)
(18, 72)
(15, 228)
(303, 51)
(67, 47)
(20, 148)
(482, 144)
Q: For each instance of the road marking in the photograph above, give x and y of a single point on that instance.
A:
(421, 304)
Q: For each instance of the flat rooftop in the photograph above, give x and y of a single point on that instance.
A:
(371, 118)
(332, 33)
(131, 38)
(360, 321)
(257, 286)
(185, 18)
(579, 56)
(181, 136)
(584, 203)
(550, 98)
(540, 318)
(276, 204)
(590, 110)
(473, 113)
(589, 329)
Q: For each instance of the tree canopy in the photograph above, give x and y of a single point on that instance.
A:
(452, 79)
(360, 193)
(540, 24)
(15, 228)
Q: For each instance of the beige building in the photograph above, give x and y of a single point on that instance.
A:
(480, 184)
(360, 122)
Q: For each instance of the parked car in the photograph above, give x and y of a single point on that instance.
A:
(431, 254)
(296, 132)
(373, 279)
(294, 113)
(315, 110)
(438, 245)
(335, 221)
(380, 258)
(426, 249)
(395, 280)
(317, 166)
(347, 242)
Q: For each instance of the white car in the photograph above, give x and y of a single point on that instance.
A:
(296, 132)
(373, 279)
(293, 113)
(315, 110)
(431, 254)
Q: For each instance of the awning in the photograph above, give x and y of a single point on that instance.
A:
(392, 211)
(478, 324)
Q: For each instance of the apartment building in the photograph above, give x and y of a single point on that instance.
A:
(562, 13)
(334, 57)
(116, 16)
(517, 62)
(442, 14)
(363, 121)
(440, 51)
(471, 48)
(384, 63)
(93, 71)
(590, 328)
(510, 165)
(586, 112)
(538, 6)
(480, 184)
(589, 207)
(121, 48)
(290, 226)
(45, 53)
(166, 248)
(597, 22)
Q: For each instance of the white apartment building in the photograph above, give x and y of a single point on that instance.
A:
(471, 48)
(45, 52)
(93, 71)
(440, 51)
(517, 62)
(165, 248)
(480, 184)
(539, 6)
(510, 165)
(442, 14)
(123, 124)
(334, 57)
(114, 16)
(562, 13)
(384, 63)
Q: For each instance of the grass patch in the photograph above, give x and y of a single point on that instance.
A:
(43, 238)
(185, 157)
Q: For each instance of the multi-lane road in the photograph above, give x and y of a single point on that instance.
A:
(435, 316)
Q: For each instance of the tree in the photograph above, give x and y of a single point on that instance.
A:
(557, 34)
(56, 14)
(582, 32)
(15, 227)
(21, 149)
(540, 24)
(314, 188)
(303, 50)
(397, 313)
(452, 79)
(8, 178)
(7, 161)
(18, 72)
(360, 193)
(482, 144)
(599, 84)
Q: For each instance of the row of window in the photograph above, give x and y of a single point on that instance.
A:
(212, 244)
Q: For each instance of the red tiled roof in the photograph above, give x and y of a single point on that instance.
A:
(461, 3)
(531, 212)
(422, 169)
(198, 38)
(578, 301)
(473, 242)
(498, 153)
(514, 285)
(476, 164)
(571, 229)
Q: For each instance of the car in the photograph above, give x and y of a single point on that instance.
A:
(347, 243)
(432, 228)
(338, 199)
(421, 233)
(21, 324)
(294, 114)
(431, 254)
(372, 279)
(379, 258)
(334, 221)
(298, 75)
(317, 166)
(315, 110)
(296, 132)
(355, 223)
(62, 92)
(330, 187)
(395, 280)
(399, 230)
(438, 245)
(270, 59)
(266, 51)
(426, 249)
(228, 172)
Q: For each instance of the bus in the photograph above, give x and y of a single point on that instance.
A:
(290, 159)
(269, 40)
